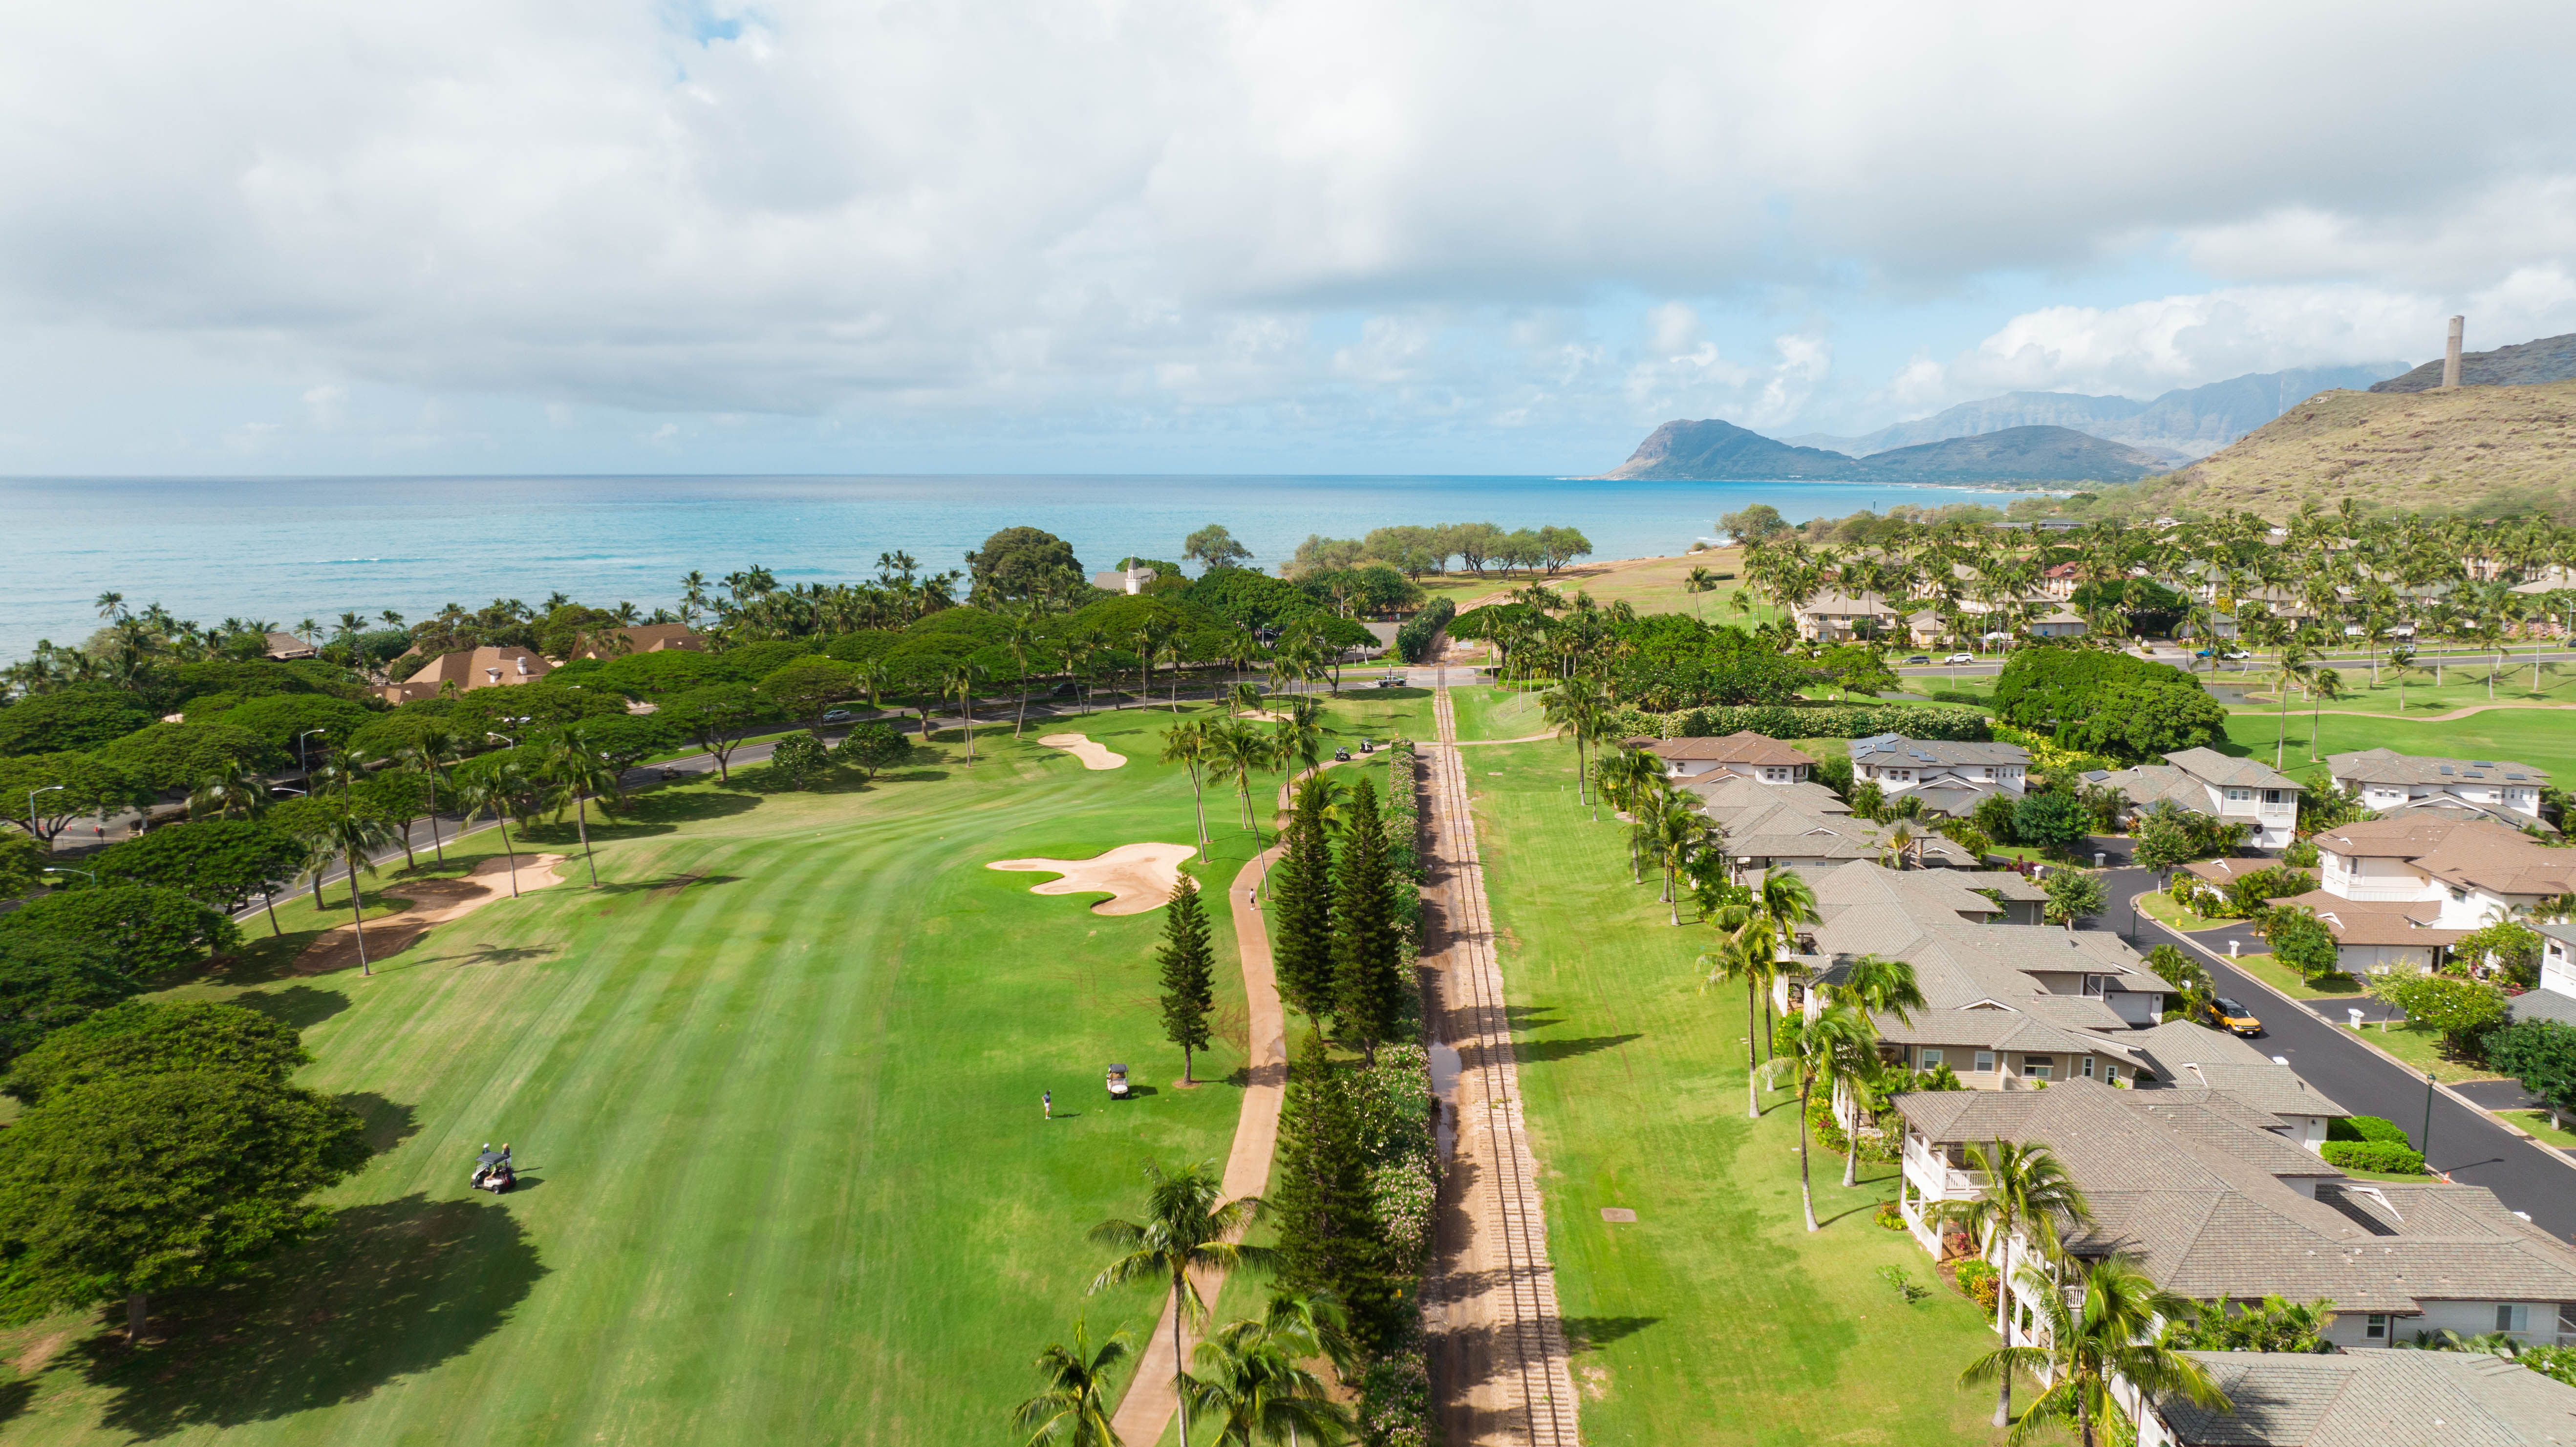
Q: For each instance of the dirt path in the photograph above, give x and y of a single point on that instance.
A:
(1499, 1370)
(434, 902)
(1149, 1403)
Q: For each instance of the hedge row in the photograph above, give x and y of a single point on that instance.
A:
(1413, 640)
(2388, 1158)
(1779, 721)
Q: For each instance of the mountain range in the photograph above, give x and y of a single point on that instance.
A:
(1721, 451)
(2525, 364)
(2180, 426)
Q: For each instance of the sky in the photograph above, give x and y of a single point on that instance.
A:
(1495, 236)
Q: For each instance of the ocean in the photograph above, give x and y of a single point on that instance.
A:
(282, 550)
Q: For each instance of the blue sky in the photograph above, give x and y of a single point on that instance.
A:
(1146, 235)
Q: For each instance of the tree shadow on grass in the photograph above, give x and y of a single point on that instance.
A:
(390, 1290)
(1530, 1052)
(679, 806)
(14, 1397)
(301, 1006)
(388, 1123)
(1583, 1333)
(489, 955)
(672, 882)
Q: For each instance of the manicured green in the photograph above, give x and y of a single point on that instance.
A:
(774, 1091)
(1714, 1318)
(2420, 1050)
(2286, 980)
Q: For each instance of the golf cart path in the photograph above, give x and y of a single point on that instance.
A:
(1149, 1402)
(2453, 715)
(436, 901)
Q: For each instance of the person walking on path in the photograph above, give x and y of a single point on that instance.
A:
(1046, 1103)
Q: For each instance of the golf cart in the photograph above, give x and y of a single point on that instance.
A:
(492, 1171)
(1117, 1082)
(1366, 747)
(1341, 756)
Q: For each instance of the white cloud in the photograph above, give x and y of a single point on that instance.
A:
(975, 216)
(327, 406)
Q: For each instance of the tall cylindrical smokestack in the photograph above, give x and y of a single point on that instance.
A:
(2451, 355)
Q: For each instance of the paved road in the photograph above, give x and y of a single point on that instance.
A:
(2467, 1143)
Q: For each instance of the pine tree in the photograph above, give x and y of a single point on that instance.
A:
(1301, 908)
(1369, 986)
(1326, 1236)
(1189, 984)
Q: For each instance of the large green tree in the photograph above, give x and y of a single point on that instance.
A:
(170, 756)
(2049, 821)
(132, 1185)
(1328, 1235)
(145, 929)
(2542, 1055)
(809, 686)
(41, 793)
(2110, 1337)
(218, 862)
(872, 747)
(279, 719)
(1301, 906)
(48, 982)
(1371, 989)
(141, 1037)
(1019, 564)
(2027, 1196)
(715, 718)
(70, 719)
(1189, 973)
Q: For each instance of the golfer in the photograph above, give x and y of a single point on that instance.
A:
(1046, 1103)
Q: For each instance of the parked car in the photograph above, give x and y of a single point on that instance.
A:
(2231, 1017)
(1919, 658)
(840, 715)
(1960, 658)
(2234, 655)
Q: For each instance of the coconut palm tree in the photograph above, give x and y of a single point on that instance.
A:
(2026, 1192)
(1020, 634)
(1574, 707)
(1187, 1228)
(232, 790)
(1787, 901)
(957, 680)
(1701, 580)
(1744, 953)
(1187, 743)
(2112, 1335)
(1836, 1047)
(1235, 750)
(1681, 832)
(493, 789)
(432, 748)
(1245, 697)
(1252, 1385)
(568, 762)
(354, 838)
(1878, 986)
(1073, 1409)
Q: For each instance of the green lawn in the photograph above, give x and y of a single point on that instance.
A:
(2421, 1050)
(776, 1091)
(2542, 738)
(1714, 1318)
(2161, 906)
(2537, 1122)
(2281, 977)
(1501, 712)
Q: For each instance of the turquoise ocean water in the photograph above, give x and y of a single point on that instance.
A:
(286, 549)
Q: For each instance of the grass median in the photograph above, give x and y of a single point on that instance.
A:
(1714, 1317)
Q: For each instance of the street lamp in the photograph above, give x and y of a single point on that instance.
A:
(2427, 1138)
(59, 869)
(505, 738)
(31, 808)
(299, 750)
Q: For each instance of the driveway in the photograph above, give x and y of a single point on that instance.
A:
(2469, 1145)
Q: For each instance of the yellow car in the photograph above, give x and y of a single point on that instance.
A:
(2233, 1018)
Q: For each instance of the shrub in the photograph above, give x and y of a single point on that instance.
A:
(2302, 854)
(1977, 1281)
(1890, 1216)
(871, 747)
(2388, 1158)
(2365, 1128)
(1413, 640)
(2051, 822)
(800, 759)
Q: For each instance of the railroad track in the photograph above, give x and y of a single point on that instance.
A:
(1514, 1385)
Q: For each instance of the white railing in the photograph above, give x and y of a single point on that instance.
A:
(2389, 892)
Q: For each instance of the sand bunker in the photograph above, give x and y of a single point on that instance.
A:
(1266, 715)
(1137, 877)
(434, 902)
(1093, 756)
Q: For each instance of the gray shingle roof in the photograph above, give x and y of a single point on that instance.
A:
(1896, 748)
(2184, 1055)
(2387, 766)
(2218, 768)
(2374, 1399)
(2543, 1005)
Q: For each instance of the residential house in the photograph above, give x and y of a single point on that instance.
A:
(1745, 755)
(285, 646)
(2206, 781)
(2204, 1190)
(1949, 776)
(2362, 1399)
(2058, 624)
(2187, 1056)
(1770, 826)
(467, 670)
(2060, 580)
(1974, 896)
(2391, 783)
(2556, 997)
(2477, 872)
(1838, 618)
(1130, 579)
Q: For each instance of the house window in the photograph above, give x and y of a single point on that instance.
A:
(1928, 1060)
(2088, 1067)
(2239, 796)
(2038, 1067)
(2512, 1316)
(2375, 1327)
(2093, 986)
(2271, 796)
(2111, 1071)
(1985, 1063)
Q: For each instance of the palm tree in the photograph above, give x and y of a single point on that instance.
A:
(1236, 750)
(233, 789)
(1574, 708)
(959, 679)
(354, 837)
(431, 749)
(1787, 901)
(1878, 986)
(2294, 664)
(566, 760)
(1187, 743)
(1253, 1382)
(1681, 832)
(1020, 634)
(1187, 1228)
(2113, 1335)
(2025, 1192)
(1073, 1409)
(491, 789)
(1744, 953)
(1700, 581)
(1836, 1047)
(1245, 697)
